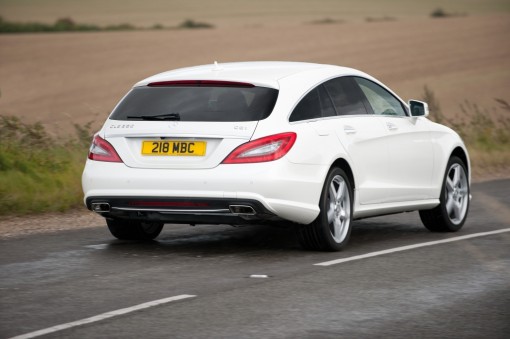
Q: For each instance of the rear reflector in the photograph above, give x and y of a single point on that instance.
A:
(265, 149)
(200, 83)
(168, 204)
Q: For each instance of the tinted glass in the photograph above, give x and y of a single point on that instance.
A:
(381, 101)
(314, 105)
(308, 108)
(326, 105)
(346, 96)
(198, 103)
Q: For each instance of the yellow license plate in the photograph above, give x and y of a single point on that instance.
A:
(174, 147)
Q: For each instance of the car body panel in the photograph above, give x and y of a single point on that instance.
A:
(411, 158)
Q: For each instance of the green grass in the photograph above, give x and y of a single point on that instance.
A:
(39, 173)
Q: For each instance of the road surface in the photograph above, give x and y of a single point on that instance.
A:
(255, 282)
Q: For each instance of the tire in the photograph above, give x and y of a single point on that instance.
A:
(332, 228)
(451, 213)
(133, 230)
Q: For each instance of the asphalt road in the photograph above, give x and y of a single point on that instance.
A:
(459, 289)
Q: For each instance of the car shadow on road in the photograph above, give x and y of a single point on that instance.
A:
(218, 240)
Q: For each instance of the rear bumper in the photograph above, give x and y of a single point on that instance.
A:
(278, 190)
(183, 210)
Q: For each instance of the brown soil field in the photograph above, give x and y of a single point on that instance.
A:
(65, 78)
(233, 13)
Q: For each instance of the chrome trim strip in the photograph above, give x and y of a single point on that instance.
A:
(174, 211)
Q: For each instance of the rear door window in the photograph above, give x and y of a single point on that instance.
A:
(197, 103)
(346, 96)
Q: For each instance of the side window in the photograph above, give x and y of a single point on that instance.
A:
(346, 96)
(381, 101)
(316, 104)
(327, 106)
(308, 108)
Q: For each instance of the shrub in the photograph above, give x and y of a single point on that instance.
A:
(191, 24)
(381, 19)
(62, 25)
(485, 132)
(440, 13)
(326, 21)
(120, 27)
(435, 109)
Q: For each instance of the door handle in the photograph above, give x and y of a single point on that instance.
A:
(349, 129)
(391, 126)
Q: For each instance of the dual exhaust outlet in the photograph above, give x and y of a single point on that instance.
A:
(242, 210)
(100, 207)
(104, 207)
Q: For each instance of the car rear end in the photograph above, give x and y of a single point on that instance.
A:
(181, 151)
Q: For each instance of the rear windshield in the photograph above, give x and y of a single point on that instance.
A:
(189, 103)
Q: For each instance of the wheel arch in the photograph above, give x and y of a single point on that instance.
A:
(444, 150)
(462, 155)
(344, 165)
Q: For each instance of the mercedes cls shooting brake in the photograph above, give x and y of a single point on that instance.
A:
(310, 145)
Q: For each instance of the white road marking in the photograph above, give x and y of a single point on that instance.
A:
(98, 247)
(410, 247)
(103, 316)
(259, 276)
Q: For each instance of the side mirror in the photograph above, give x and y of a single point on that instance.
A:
(418, 108)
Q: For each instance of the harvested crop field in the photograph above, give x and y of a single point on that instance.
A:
(65, 78)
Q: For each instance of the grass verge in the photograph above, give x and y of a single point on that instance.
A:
(39, 173)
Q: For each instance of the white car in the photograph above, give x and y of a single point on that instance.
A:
(317, 146)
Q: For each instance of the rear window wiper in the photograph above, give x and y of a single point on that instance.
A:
(168, 116)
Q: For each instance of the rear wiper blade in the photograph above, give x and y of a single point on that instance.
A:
(168, 116)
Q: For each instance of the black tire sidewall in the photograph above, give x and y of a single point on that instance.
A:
(131, 229)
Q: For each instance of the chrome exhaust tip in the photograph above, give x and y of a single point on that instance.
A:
(100, 207)
(242, 210)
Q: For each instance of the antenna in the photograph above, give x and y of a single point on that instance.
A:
(216, 66)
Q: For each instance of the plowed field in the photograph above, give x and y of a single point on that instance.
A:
(66, 78)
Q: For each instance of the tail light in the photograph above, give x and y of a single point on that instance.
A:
(102, 150)
(265, 149)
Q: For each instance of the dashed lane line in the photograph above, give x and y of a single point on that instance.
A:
(102, 316)
(410, 247)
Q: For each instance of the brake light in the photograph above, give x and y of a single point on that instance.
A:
(200, 83)
(265, 149)
(102, 150)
